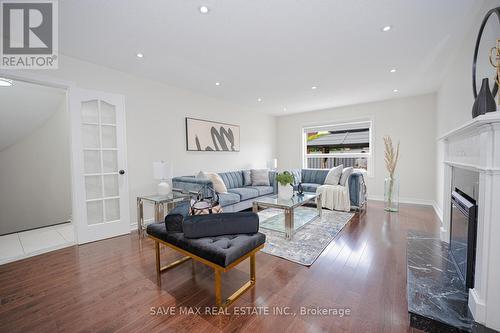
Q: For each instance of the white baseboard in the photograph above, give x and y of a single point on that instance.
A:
(477, 307)
(438, 211)
(133, 226)
(404, 200)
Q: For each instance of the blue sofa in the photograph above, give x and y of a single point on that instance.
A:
(241, 197)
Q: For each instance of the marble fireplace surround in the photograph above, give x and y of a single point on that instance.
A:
(476, 146)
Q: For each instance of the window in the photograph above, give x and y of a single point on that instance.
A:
(327, 146)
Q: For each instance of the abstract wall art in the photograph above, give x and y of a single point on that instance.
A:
(206, 135)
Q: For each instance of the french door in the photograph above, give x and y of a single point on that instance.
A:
(101, 203)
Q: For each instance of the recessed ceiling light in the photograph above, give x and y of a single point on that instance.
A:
(386, 28)
(314, 87)
(140, 55)
(217, 83)
(204, 9)
(259, 99)
(393, 70)
(395, 90)
(5, 82)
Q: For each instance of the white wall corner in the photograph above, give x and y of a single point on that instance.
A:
(438, 212)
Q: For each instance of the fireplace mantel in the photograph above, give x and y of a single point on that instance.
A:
(476, 146)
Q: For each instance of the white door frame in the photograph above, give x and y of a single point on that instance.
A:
(76, 162)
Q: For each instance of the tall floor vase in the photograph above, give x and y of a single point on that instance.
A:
(391, 195)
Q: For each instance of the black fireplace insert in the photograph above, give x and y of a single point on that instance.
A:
(463, 233)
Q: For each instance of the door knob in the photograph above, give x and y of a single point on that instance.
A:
(121, 172)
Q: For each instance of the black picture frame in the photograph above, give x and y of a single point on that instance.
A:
(495, 11)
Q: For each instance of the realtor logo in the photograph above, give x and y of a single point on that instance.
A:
(29, 34)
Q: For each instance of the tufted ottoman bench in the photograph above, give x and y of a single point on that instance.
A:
(220, 241)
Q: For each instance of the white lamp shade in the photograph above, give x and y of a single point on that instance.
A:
(161, 170)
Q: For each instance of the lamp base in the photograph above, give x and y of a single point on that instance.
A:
(164, 188)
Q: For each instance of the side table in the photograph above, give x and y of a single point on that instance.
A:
(160, 202)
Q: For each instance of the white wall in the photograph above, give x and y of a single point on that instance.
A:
(455, 96)
(410, 120)
(155, 115)
(35, 183)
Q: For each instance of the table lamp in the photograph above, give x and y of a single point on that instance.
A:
(162, 172)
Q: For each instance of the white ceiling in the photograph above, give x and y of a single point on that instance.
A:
(273, 49)
(23, 108)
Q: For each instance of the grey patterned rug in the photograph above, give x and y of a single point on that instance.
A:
(308, 241)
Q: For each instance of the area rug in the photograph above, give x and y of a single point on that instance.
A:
(309, 241)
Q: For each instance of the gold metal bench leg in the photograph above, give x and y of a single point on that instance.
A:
(158, 267)
(218, 287)
(237, 293)
(252, 268)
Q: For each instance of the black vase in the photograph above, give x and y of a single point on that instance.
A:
(485, 102)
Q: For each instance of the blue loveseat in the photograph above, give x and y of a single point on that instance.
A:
(241, 197)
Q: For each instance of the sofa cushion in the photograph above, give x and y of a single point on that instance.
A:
(346, 173)
(263, 190)
(316, 176)
(310, 187)
(217, 182)
(221, 250)
(247, 177)
(232, 179)
(260, 177)
(245, 193)
(297, 176)
(333, 176)
(226, 199)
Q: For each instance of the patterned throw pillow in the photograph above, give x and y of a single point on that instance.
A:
(216, 180)
(260, 177)
(297, 176)
(334, 175)
(247, 177)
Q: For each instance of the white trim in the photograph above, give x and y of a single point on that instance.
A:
(404, 200)
(70, 87)
(134, 226)
(438, 211)
(368, 120)
(477, 307)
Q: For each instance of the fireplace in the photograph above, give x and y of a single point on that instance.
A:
(463, 230)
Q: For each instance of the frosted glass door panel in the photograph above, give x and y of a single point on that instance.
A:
(108, 113)
(100, 159)
(108, 136)
(110, 161)
(92, 161)
(90, 113)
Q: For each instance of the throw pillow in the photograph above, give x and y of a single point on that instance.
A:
(247, 178)
(333, 176)
(216, 180)
(297, 176)
(260, 177)
(345, 175)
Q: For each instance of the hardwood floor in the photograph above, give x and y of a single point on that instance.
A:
(110, 285)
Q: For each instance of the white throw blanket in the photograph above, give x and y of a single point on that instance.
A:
(335, 197)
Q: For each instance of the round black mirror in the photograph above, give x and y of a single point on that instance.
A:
(489, 33)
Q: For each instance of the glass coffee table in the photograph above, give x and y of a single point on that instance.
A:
(291, 222)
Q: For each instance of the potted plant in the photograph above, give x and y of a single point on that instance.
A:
(285, 185)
